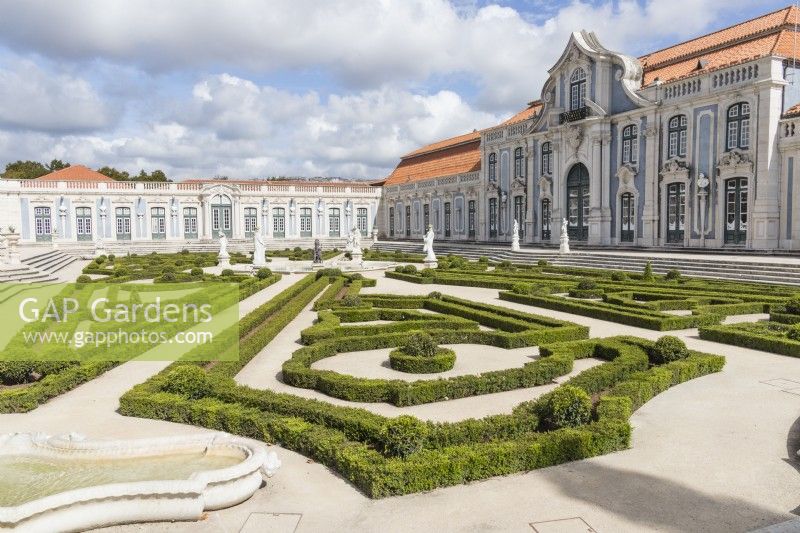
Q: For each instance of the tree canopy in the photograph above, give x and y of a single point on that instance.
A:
(121, 175)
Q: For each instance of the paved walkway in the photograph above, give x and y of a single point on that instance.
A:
(713, 454)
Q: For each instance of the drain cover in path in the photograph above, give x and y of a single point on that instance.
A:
(567, 525)
(272, 522)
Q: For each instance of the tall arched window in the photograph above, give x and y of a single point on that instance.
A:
(545, 222)
(577, 89)
(493, 167)
(739, 126)
(677, 136)
(519, 164)
(547, 158)
(630, 144)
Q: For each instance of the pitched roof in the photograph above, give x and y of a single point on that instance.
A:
(770, 34)
(793, 111)
(533, 108)
(75, 173)
(452, 156)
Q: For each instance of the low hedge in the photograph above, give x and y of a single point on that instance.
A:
(738, 336)
(643, 318)
(444, 359)
(358, 446)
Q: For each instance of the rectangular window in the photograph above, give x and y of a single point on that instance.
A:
(361, 220)
(682, 144)
(492, 217)
(278, 222)
(408, 221)
(471, 219)
(250, 221)
(426, 217)
(334, 222)
(305, 222)
(190, 222)
(158, 222)
(83, 223)
(123, 218)
(733, 134)
(447, 219)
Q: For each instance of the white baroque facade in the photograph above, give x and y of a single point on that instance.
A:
(690, 146)
(80, 210)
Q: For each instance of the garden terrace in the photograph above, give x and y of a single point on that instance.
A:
(652, 303)
(387, 456)
(780, 334)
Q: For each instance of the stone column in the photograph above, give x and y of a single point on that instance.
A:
(764, 117)
(649, 213)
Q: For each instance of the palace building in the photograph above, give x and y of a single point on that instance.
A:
(77, 204)
(694, 145)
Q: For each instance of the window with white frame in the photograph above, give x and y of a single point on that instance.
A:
(123, 219)
(519, 164)
(739, 126)
(334, 221)
(158, 222)
(493, 167)
(250, 221)
(361, 220)
(577, 89)
(630, 144)
(547, 158)
(677, 128)
(83, 223)
(190, 222)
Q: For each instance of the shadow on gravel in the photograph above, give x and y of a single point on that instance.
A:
(792, 446)
(657, 503)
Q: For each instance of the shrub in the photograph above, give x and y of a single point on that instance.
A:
(226, 272)
(542, 262)
(505, 264)
(111, 257)
(263, 273)
(185, 251)
(329, 272)
(199, 262)
(168, 269)
(567, 406)
(83, 278)
(100, 260)
(483, 260)
(647, 275)
(442, 360)
(189, 381)
(522, 288)
(793, 306)
(120, 272)
(428, 273)
(351, 301)
(403, 436)
(179, 262)
(587, 285)
(420, 344)
(436, 295)
(673, 274)
(196, 272)
(793, 333)
(667, 349)
(619, 276)
(168, 276)
(410, 269)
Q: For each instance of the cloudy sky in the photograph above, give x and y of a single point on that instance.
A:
(255, 88)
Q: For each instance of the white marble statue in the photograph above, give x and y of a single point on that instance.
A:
(259, 249)
(430, 257)
(99, 246)
(223, 255)
(349, 246)
(515, 237)
(564, 247)
(356, 239)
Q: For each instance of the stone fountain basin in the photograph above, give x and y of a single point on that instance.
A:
(138, 500)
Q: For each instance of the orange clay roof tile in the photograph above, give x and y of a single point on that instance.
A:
(75, 173)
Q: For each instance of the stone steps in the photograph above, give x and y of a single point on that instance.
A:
(51, 261)
(751, 271)
(202, 245)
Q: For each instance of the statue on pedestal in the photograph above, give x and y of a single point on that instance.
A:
(259, 259)
(317, 252)
(515, 237)
(356, 239)
(430, 257)
(223, 255)
(564, 247)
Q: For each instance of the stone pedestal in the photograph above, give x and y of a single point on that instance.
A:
(13, 251)
(564, 247)
(515, 243)
(356, 255)
(430, 264)
(224, 260)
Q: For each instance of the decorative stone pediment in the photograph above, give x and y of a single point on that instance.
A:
(519, 183)
(675, 169)
(626, 175)
(735, 163)
(574, 136)
(492, 186)
(545, 188)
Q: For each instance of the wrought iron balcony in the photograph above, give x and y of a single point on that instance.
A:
(573, 115)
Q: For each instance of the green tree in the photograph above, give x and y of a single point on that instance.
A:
(24, 170)
(114, 174)
(57, 164)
